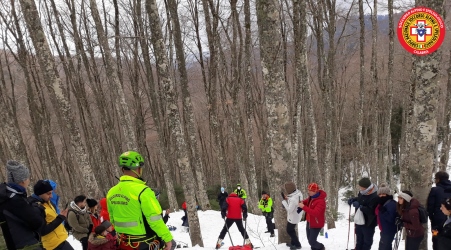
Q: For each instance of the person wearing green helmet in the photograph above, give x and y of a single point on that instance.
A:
(134, 209)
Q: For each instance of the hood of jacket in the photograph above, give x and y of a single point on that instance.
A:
(444, 184)
(295, 193)
(233, 194)
(103, 204)
(7, 192)
(322, 195)
(97, 239)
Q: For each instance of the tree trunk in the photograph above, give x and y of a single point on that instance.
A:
(387, 127)
(171, 109)
(446, 146)
(360, 153)
(278, 133)
(111, 71)
(211, 84)
(426, 71)
(57, 96)
(249, 102)
(188, 107)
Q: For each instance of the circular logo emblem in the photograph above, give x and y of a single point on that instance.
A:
(421, 31)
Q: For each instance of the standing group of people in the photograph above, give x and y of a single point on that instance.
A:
(234, 210)
(131, 217)
(380, 209)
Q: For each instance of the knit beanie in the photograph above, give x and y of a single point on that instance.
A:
(102, 227)
(405, 196)
(365, 182)
(42, 187)
(264, 192)
(290, 187)
(313, 187)
(447, 203)
(384, 189)
(91, 202)
(16, 172)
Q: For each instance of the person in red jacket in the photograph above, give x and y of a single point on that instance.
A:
(92, 205)
(410, 218)
(232, 208)
(104, 215)
(315, 208)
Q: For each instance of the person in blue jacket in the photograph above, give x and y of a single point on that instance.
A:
(386, 217)
(55, 197)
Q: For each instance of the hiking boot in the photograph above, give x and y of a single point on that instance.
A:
(218, 244)
(295, 247)
(247, 242)
(266, 232)
(288, 245)
(272, 235)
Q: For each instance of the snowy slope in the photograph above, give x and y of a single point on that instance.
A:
(212, 223)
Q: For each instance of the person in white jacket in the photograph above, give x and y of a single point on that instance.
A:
(290, 202)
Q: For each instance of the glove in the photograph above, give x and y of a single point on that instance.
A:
(223, 215)
(356, 204)
(299, 210)
(351, 200)
(283, 196)
(244, 216)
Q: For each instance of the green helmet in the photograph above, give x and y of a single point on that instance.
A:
(131, 159)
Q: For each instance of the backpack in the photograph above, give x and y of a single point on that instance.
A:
(66, 223)
(423, 214)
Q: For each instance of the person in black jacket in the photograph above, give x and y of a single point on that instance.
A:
(436, 196)
(367, 200)
(444, 235)
(222, 196)
(20, 220)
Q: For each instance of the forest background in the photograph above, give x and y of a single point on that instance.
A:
(213, 93)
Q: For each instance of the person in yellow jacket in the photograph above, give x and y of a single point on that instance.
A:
(135, 211)
(240, 192)
(53, 233)
(265, 204)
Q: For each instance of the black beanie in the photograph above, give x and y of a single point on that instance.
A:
(264, 192)
(365, 182)
(91, 202)
(42, 187)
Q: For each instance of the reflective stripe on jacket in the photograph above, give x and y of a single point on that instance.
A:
(132, 206)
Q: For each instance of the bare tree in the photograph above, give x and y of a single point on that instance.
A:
(278, 133)
(175, 126)
(57, 96)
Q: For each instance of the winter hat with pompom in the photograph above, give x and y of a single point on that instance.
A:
(16, 172)
(384, 189)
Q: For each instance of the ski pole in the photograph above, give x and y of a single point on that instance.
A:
(349, 227)
(228, 231)
(245, 232)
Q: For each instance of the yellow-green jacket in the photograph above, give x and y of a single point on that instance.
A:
(265, 205)
(132, 206)
(241, 193)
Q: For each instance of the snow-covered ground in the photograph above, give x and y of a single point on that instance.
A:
(211, 224)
